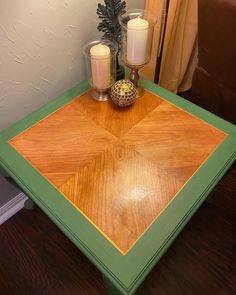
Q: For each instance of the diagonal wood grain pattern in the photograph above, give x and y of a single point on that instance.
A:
(63, 142)
(175, 140)
(122, 191)
(120, 168)
(114, 119)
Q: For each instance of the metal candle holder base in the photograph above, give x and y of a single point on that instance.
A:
(100, 95)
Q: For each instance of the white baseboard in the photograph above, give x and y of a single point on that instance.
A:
(12, 207)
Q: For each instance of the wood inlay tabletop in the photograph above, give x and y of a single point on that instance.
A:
(119, 167)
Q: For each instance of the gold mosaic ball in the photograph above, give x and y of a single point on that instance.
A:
(123, 93)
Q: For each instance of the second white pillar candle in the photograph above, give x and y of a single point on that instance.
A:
(137, 34)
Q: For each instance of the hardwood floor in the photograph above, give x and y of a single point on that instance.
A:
(36, 258)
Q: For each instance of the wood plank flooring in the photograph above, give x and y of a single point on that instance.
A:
(36, 258)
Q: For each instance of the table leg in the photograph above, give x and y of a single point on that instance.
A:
(209, 200)
(111, 288)
(3, 173)
(29, 204)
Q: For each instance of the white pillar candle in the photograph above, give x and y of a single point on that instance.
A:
(100, 64)
(137, 33)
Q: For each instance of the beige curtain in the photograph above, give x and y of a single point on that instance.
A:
(179, 56)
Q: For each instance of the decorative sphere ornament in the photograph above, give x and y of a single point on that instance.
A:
(123, 93)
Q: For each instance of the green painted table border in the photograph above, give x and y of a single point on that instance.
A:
(151, 246)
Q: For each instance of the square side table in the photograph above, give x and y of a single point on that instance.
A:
(120, 183)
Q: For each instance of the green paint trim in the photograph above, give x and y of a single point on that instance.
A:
(150, 247)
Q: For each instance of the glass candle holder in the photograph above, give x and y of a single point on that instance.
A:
(100, 57)
(137, 26)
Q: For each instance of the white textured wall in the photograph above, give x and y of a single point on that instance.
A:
(40, 51)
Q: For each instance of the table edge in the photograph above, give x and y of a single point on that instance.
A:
(34, 117)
